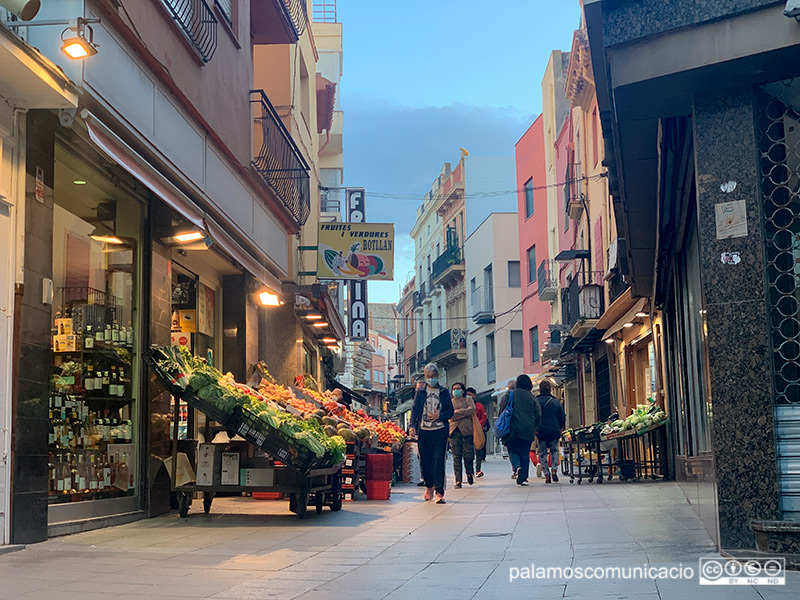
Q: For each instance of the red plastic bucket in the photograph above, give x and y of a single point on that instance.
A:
(268, 495)
(380, 467)
(378, 490)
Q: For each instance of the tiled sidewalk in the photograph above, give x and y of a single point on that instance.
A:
(403, 548)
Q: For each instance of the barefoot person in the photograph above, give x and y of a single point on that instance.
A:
(430, 422)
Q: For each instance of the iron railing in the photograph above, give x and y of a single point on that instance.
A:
(422, 358)
(482, 301)
(412, 365)
(547, 279)
(198, 23)
(452, 339)
(296, 10)
(324, 11)
(279, 160)
(451, 256)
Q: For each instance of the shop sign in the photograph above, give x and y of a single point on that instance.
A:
(355, 251)
(357, 310)
(39, 189)
(205, 310)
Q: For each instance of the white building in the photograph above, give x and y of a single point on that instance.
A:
(495, 340)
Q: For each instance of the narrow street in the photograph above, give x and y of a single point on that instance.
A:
(403, 548)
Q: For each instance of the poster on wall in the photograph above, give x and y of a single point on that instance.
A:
(356, 251)
(205, 310)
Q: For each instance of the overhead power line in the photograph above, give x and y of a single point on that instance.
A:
(484, 194)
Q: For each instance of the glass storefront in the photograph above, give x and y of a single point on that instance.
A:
(94, 414)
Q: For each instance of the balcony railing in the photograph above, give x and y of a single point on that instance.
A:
(451, 256)
(583, 298)
(412, 365)
(297, 14)
(422, 359)
(324, 11)
(482, 306)
(452, 339)
(279, 160)
(198, 23)
(548, 280)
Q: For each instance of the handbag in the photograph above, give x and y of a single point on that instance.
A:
(502, 424)
(478, 438)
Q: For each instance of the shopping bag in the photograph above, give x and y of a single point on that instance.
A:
(478, 438)
(502, 424)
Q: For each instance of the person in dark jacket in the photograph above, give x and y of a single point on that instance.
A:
(526, 416)
(553, 422)
(430, 417)
(480, 412)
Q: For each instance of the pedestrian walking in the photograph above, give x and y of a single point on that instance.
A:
(480, 411)
(461, 435)
(512, 383)
(525, 419)
(553, 422)
(430, 418)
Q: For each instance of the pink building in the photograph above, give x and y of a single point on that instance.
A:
(533, 247)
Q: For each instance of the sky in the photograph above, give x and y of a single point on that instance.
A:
(423, 78)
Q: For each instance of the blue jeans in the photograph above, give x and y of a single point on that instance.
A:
(552, 447)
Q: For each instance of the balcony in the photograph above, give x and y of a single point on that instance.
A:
(277, 21)
(547, 278)
(450, 348)
(419, 298)
(482, 306)
(197, 22)
(430, 290)
(448, 269)
(422, 359)
(278, 159)
(583, 303)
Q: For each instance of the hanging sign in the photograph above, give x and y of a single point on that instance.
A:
(355, 251)
(358, 309)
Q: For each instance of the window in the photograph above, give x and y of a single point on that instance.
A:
(475, 359)
(488, 288)
(513, 274)
(534, 344)
(516, 343)
(529, 198)
(531, 265)
(491, 366)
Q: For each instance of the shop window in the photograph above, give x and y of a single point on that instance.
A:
(93, 425)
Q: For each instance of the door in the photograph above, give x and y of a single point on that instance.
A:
(6, 313)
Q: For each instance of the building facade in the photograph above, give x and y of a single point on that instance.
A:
(153, 209)
(703, 181)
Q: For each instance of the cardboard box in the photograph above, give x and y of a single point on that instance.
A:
(188, 320)
(258, 477)
(64, 326)
(229, 474)
(209, 464)
(65, 343)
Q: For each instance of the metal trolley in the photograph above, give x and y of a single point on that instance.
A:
(298, 473)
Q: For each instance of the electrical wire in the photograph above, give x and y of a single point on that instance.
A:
(485, 194)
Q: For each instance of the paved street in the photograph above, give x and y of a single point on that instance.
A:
(399, 549)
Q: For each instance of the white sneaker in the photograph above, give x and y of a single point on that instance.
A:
(539, 470)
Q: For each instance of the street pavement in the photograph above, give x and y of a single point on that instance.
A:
(403, 548)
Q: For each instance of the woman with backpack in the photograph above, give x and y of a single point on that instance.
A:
(553, 422)
(526, 415)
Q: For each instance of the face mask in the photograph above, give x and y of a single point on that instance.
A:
(457, 392)
(433, 381)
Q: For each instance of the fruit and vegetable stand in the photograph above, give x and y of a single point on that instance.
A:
(632, 448)
(306, 433)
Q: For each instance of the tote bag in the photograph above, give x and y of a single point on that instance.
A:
(502, 424)
(478, 437)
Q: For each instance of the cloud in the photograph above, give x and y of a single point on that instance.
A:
(396, 149)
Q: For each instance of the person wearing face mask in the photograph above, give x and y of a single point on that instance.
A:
(480, 412)
(429, 422)
(461, 440)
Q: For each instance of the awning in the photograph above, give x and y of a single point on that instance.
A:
(404, 407)
(326, 101)
(142, 170)
(30, 80)
(626, 318)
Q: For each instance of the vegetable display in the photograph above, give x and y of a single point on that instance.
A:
(643, 417)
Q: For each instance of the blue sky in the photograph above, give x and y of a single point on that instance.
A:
(422, 78)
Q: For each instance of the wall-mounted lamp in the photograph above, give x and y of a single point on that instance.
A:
(105, 235)
(313, 316)
(641, 314)
(610, 340)
(320, 324)
(269, 299)
(77, 40)
(329, 340)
